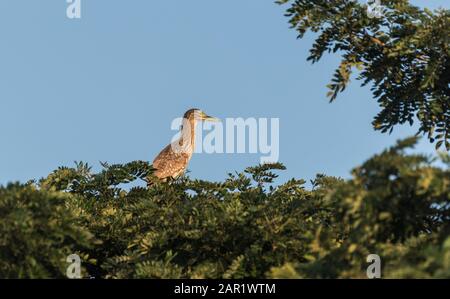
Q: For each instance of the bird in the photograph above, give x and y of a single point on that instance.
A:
(173, 160)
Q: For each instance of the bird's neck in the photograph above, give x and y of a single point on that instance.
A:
(187, 140)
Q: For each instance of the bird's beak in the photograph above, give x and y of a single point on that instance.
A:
(206, 117)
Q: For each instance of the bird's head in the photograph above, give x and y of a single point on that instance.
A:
(197, 114)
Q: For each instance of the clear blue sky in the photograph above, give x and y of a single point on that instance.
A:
(106, 87)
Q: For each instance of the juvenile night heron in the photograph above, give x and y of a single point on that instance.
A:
(174, 158)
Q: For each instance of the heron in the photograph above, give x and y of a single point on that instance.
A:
(173, 160)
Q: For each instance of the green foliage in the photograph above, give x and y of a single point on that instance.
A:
(396, 205)
(38, 232)
(404, 55)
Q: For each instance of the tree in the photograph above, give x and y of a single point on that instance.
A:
(397, 205)
(403, 55)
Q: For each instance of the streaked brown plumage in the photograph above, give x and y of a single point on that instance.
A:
(174, 158)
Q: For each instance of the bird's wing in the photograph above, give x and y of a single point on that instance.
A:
(169, 163)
